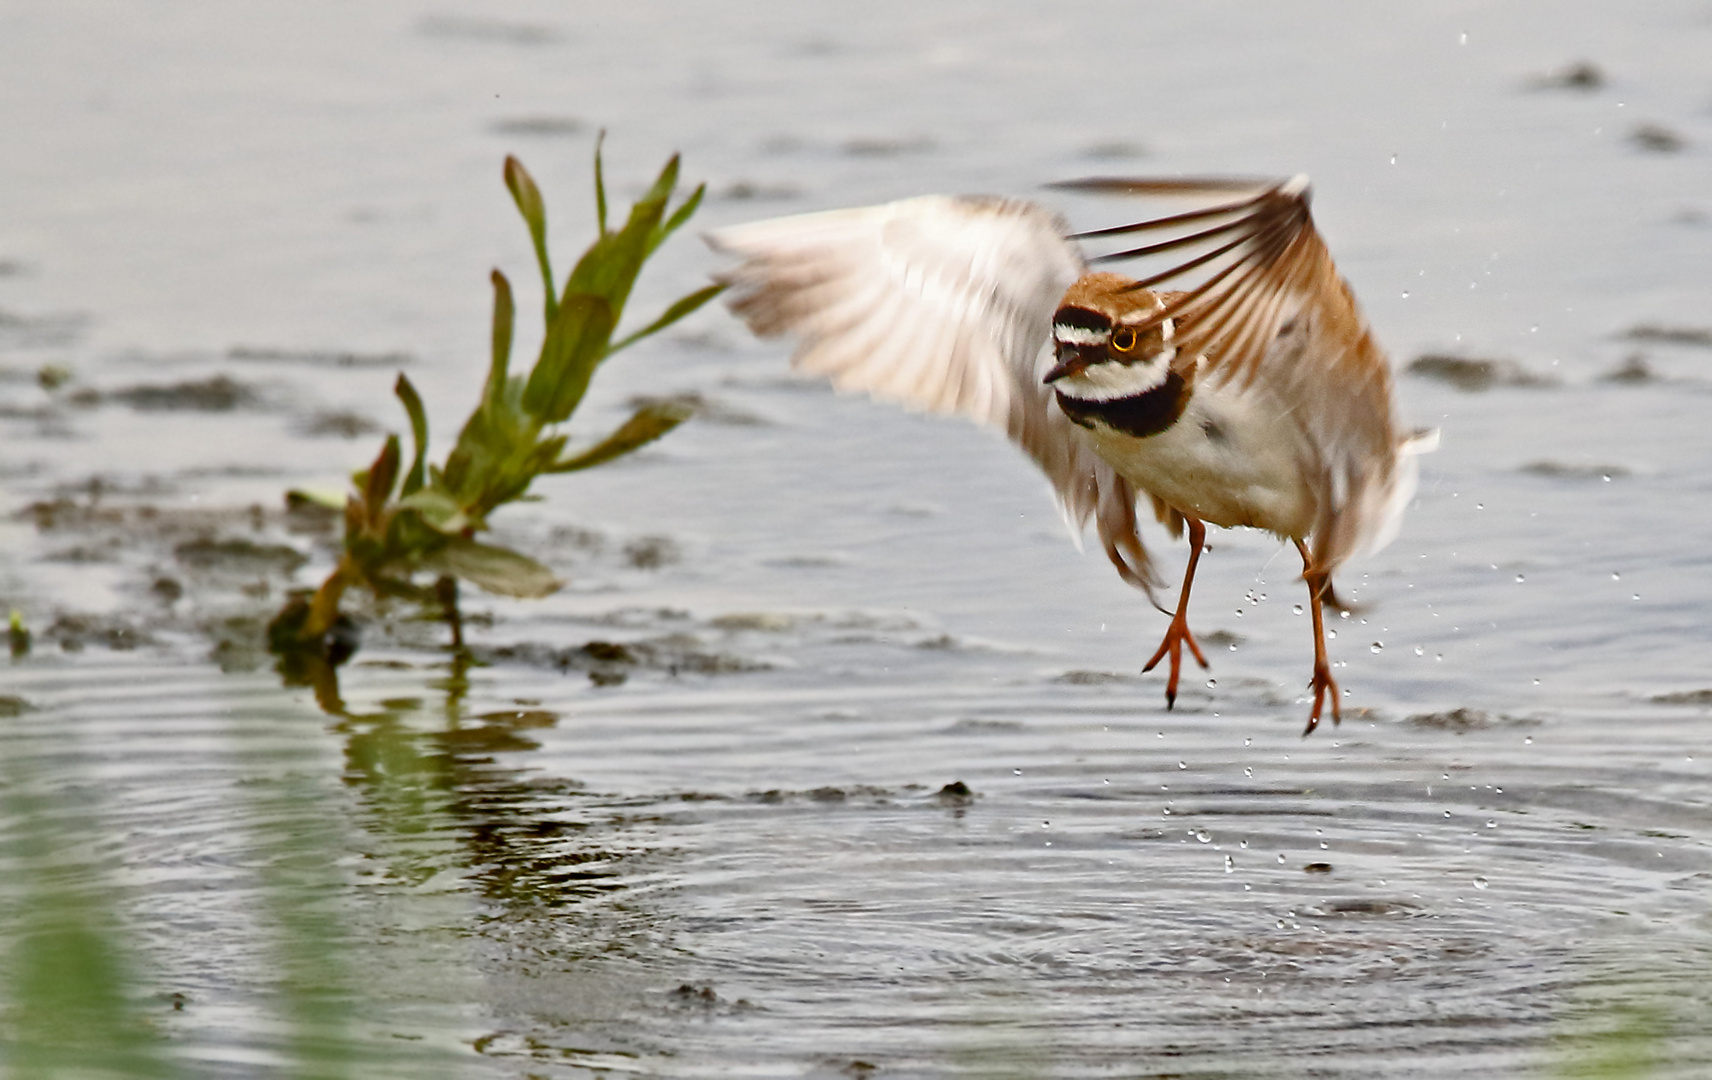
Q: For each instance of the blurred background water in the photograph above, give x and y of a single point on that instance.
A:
(718, 840)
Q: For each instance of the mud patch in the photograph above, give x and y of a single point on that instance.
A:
(219, 393)
(1702, 698)
(1560, 470)
(1695, 336)
(1472, 374)
(538, 126)
(318, 357)
(1460, 721)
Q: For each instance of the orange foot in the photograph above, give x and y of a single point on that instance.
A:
(1176, 635)
(1322, 684)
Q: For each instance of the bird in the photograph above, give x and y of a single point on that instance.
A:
(1253, 394)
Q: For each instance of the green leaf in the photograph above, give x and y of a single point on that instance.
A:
(599, 183)
(679, 216)
(377, 482)
(609, 267)
(683, 306)
(649, 423)
(534, 211)
(438, 509)
(504, 322)
(418, 430)
(575, 343)
(496, 569)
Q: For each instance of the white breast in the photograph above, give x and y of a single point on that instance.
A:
(1232, 458)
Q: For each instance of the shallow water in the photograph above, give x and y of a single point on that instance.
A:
(741, 859)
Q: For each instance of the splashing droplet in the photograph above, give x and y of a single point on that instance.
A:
(1203, 836)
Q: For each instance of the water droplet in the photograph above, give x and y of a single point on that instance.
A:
(1230, 865)
(1182, 764)
(1536, 682)
(1281, 858)
(1233, 646)
(1376, 647)
(1527, 740)
(1519, 579)
(1203, 836)
(1480, 506)
(1244, 845)
(1480, 883)
(1637, 596)
(1447, 813)
(1420, 651)
(1394, 161)
(1297, 609)
(1322, 845)
(1248, 741)
(1343, 614)
(1248, 772)
(1462, 38)
(1490, 824)
(1016, 772)
(1214, 682)
(1046, 824)
(1405, 291)
(1108, 783)
(1616, 576)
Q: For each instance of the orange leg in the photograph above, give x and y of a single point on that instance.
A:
(1178, 632)
(1319, 586)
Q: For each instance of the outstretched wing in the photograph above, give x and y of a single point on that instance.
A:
(942, 303)
(1268, 310)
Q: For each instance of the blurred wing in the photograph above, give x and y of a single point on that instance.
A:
(1267, 311)
(942, 303)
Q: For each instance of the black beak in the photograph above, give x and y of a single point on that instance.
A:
(1071, 361)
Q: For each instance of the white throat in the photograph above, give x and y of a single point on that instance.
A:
(1111, 380)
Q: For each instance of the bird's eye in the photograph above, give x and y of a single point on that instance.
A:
(1124, 339)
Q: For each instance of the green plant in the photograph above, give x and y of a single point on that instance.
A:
(400, 521)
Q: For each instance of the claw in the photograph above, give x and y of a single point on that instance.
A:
(1177, 634)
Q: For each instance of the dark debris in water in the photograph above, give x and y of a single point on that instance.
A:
(1685, 697)
(238, 555)
(609, 663)
(12, 705)
(72, 633)
(1633, 371)
(338, 424)
(318, 357)
(1662, 334)
(1368, 907)
(217, 393)
(1657, 139)
(1563, 471)
(707, 410)
(956, 793)
(472, 28)
(1317, 868)
(1582, 75)
(825, 795)
(1463, 720)
(757, 191)
(538, 126)
(881, 146)
(1474, 374)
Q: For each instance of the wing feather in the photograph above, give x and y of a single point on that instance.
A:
(942, 303)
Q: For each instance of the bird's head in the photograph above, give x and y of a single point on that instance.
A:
(1098, 351)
